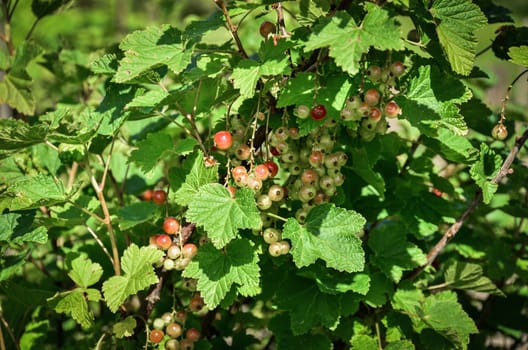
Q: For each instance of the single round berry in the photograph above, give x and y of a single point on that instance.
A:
(172, 344)
(169, 264)
(375, 114)
(156, 336)
(238, 172)
(264, 202)
(223, 140)
(274, 151)
(254, 183)
(276, 193)
(243, 152)
(274, 249)
(372, 97)
(273, 168)
(192, 334)
(374, 73)
(392, 110)
(302, 111)
(499, 132)
(174, 252)
(171, 225)
(158, 323)
(294, 133)
(163, 241)
(307, 193)
(284, 247)
(147, 195)
(166, 317)
(397, 68)
(318, 112)
(316, 158)
(267, 28)
(186, 344)
(159, 197)
(271, 235)
(261, 172)
(309, 177)
(196, 303)
(189, 250)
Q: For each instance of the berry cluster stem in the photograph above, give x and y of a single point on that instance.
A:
(233, 29)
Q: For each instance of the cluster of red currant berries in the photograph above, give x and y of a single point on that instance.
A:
(177, 256)
(158, 196)
(367, 113)
(169, 327)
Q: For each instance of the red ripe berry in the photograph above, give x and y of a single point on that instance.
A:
(372, 97)
(316, 158)
(171, 225)
(266, 28)
(272, 167)
(375, 114)
(159, 197)
(223, 140)
(397, 68)
(261, 171)
(156, 336)
(163, 241)
(392, 110)
(437, 192)
(196, 303)
(189, 250)
(174, 330)
(238, 172)
(147, 195)
(274, 151)
(318, 112)
(192, 334)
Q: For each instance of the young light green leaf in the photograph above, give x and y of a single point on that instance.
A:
(328, 234)
(217, 271)
(484, 170)
(186, 180)
(125, 328)
(363, 342)
(393, 253)
(519, 55)
(74, 304)
(16, 92)
(462, 275)
(137, 213)
(445, 315)
(222, 216)
(348, 41)
(85, 272)
(150, 48)
(33, 192)
(138, 274)
(457, 22)
(150, 150)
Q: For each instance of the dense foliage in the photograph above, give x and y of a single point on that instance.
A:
(306, 174)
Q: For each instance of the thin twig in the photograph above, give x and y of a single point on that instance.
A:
(72, 172)
(280, 19)
(9, 331)
(94, 235)
(507, 96)
(233, 29)
(454, 228)
(86, 211)
(32, 29)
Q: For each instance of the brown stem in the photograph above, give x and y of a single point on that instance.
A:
(9, 331)
(233, 29)
(453, 229)
(507, 96)
(280, 19)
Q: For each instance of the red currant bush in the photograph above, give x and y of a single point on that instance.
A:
(223, 140)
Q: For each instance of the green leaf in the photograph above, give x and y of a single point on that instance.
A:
(18, 134)
(218, 271)
(16, 228)
(125, 328)
(462, 275)
(363, 167)
(186, 180)
(10, 265)
(484, 170)
(16, 92)
(445, 315)
(149, 100)
(151, 48)
(85, 272)
(308, 307)
(222, 216)
(328, 234)
(348, 41)
(74, 304)
(457, 21)
(363, 341)
(137, 213)
(32, 192)
(298, 90)
(43, 8)
(138, 274)
(150, 150)
(106, 64)
(272, 62)
(334, 282)
(393, 253)
(519, 55)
